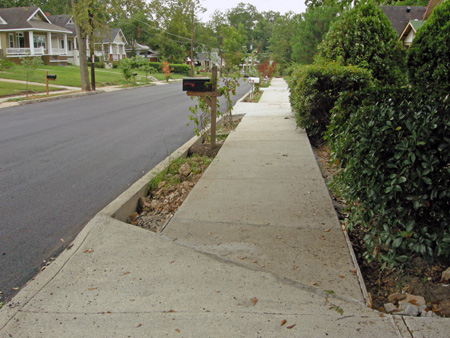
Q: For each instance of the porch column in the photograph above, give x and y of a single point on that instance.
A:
(49, 44)
(31, 42)
(65, 44)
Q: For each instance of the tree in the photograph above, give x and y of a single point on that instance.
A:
(280, 42)
(246, 15)
(234, 45)
(428, 57)
(309, 29)
(30, 65)
(364, 37)
(90, 24)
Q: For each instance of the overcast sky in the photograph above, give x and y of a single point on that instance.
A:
(282, 6)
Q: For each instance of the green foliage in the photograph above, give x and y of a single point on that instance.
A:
(364, 37)
(30, 65)
(315, 88)
(428, 57)
(125, 66)
(309, 29)
(171, 175)
(394, 155)
(6, 64)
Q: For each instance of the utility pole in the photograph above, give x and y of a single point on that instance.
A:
(192, 41)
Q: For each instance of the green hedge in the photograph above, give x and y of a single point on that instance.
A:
(394, 153)
(177, 68)
(315, 88)
(428, 58)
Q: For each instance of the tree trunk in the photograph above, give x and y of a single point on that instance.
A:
(81, 38)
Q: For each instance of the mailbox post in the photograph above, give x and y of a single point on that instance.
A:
(207, 89)
(49, 77)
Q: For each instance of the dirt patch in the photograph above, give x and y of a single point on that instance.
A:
(169, 189)
(419, 279)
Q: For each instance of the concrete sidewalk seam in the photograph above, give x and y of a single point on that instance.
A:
(283, 280)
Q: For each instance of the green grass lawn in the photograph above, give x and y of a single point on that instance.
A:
(70, 75)
(7, 88)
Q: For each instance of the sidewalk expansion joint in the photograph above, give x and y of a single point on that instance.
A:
(281, 279)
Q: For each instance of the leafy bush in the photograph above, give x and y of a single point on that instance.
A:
(176, 68)
(364, 37)
(315, 88)
(394, 154)
(125, 66)
(6, 64)
(428, 58)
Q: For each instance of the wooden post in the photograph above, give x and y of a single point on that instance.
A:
(213, 107)
(46, 81)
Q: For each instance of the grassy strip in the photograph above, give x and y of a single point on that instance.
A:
(171, 175)
(70, 75)
(7, 88)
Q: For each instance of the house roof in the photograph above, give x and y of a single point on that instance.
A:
(413, 25)
(112, 34)
(416, 24)
(399, 16)
(430, 8)
(63, 20)
(27, 19)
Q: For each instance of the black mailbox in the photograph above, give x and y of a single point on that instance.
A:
(134, 74)
(51, 77)
(197, 84)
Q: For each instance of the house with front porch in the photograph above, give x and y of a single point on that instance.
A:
(28, 32)
(112, 46)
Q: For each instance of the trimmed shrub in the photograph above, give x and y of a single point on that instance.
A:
(394, 154)
(428, 57)
(314, 90)
(364, 37)
(177, 68)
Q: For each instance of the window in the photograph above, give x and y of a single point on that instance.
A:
(69, 44)
(62, 43)
(39, 41)
(11, 40)
(20, 40)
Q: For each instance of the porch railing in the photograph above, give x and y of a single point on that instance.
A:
(24, 51)
(58, 51)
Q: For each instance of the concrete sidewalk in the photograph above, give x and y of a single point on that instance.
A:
(256, 244)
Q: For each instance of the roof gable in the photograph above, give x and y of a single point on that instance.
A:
(39, 15)
(399, 16)
(115, 34)
(2, 21)
(27, 19)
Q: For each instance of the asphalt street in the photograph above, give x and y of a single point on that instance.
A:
(63, 161)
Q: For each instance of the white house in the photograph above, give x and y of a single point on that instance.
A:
(27, 31)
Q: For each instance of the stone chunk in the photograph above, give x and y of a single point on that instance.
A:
(395, 297)
(390, 308)
(185, 170)
(410, 310)
(446, 276)
(411, 299)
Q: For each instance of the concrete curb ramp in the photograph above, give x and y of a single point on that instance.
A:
(256, 250)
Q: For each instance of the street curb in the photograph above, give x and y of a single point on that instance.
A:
(119, 209)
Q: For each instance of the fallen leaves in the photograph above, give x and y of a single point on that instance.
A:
(284, 322)
(126, 273)
(254, 301)
(92, 289)
(89, 251)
